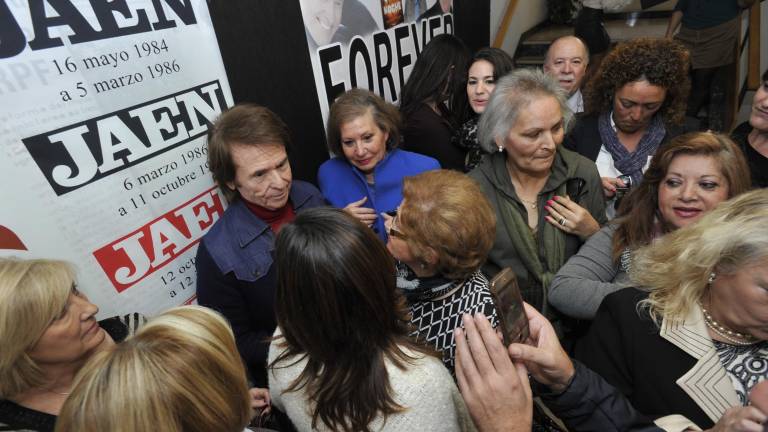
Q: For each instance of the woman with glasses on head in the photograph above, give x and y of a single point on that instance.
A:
(342, 358)
(366, 176)
(687, 177)
(441, 236)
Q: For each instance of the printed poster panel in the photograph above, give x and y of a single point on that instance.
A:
(103, 119)
(369, 44)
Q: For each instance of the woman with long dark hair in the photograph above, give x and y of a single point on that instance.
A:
(430, 101)
(687, 177)
(484, 69)
(342, 359)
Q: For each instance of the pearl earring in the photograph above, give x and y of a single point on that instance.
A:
(501, 149)
(712, 277)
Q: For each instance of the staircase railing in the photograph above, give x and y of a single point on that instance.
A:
(501, 33)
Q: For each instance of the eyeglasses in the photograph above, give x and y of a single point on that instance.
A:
(393, 231)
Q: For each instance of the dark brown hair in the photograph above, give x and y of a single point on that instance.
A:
(436, 76)
(446, 214)
(661, 62)
(247, 125)
(337, 306)
(358, 102)
(640, 208)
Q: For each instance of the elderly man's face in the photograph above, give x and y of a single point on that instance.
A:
(567, 62)
(262, 174)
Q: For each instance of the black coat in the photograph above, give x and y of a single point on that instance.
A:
(626, 349)
(585, 139)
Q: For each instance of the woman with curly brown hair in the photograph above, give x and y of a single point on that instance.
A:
(636, 102)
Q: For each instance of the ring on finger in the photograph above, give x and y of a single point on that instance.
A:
(562, 221)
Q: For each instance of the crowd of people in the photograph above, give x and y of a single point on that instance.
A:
(638, 242)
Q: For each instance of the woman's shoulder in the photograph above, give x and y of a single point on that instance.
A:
(579, 166)
(414, 160)
(16, 418)
(623, 301)
(421, 372)
(334, 165)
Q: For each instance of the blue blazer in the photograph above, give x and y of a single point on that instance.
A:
(341, 183)
(236, 275)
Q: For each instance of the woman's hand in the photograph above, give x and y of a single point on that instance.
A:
(740, 419)
(363, 214)
(496, 391)
(542, 354)
(570, 217)
(260, 401)
(610, 184)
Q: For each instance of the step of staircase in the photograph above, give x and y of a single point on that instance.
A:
(620, 27)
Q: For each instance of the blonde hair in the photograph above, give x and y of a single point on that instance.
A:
(676, 268)
(32, 294)
(445, 212)
(180, 372)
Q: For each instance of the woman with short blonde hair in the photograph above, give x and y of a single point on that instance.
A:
(40, 288)
(180, 372)
(702, 313)
(48, 331)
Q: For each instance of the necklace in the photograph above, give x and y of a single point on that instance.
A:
(532, 203)
(731, 336)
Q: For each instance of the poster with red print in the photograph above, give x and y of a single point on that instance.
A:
(104, 111)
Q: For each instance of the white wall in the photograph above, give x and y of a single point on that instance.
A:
(527, 14)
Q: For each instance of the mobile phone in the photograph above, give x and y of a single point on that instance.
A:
(509, 307)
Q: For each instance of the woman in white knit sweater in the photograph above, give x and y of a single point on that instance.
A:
(342, 359)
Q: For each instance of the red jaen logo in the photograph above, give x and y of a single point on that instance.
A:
(133, 257)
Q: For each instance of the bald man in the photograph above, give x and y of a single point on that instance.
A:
(566, 60)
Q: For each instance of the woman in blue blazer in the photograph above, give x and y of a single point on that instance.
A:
(366, 176)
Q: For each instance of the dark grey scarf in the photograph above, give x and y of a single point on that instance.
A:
(631, 163)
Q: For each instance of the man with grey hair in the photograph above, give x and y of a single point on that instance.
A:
(566, 61)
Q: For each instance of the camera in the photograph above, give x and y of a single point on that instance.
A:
(621, 191)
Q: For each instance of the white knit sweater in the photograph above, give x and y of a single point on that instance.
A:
(425, 389)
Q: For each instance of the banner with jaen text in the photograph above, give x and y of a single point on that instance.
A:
(104, 112)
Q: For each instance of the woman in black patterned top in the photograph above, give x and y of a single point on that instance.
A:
(441, 235)
(48, 331)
